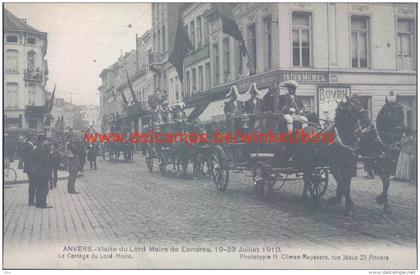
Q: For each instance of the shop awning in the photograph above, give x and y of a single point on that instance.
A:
(188, 111)
(213, 112)
(197, 111)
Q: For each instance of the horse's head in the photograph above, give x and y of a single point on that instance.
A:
(390, 122)
(347, 117)
(347, 113)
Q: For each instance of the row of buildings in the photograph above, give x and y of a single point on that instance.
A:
(330, 49)
(25, 74)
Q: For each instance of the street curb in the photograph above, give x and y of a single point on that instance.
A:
(26, 181)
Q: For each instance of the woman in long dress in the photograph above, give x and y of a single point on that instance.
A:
(406, 167)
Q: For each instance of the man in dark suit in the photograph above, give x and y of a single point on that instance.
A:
(42, 168)
(28, 147)
(291, 100)
(91, 155)
(72, 153)
(55, 163)
(292, 106)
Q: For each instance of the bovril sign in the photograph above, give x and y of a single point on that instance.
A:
(328, 98)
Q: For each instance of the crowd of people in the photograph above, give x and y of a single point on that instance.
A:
(41, 158)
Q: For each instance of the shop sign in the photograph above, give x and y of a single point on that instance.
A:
(328, 98)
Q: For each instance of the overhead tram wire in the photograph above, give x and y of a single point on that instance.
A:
(110, 47)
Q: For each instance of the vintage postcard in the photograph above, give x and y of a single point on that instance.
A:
(278, 135)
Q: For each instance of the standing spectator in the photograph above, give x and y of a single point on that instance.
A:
(91, 155)
(19, 151)
(55, 159)
(42, 168)
(28, 148)
(82, 154)
(72, 153)
(406, 166)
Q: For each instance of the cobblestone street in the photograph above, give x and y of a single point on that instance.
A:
(123, 203)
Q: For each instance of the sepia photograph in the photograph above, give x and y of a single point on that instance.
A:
(210, 135)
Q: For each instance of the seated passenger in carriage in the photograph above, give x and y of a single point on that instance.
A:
(254, 105)
(233, 107)
(292, 107)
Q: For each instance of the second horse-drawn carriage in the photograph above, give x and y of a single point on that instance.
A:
(175, 146)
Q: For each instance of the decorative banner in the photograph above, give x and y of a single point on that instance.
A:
(327, 100)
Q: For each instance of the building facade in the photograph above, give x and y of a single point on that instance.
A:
(115, 83)
(330, 49)
(25, 75)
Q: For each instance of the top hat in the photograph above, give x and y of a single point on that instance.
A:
(289, 83)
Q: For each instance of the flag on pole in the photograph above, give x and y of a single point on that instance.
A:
(231, 28)
(133, 94)
(182, 47)
(125, 102)
(48, 108)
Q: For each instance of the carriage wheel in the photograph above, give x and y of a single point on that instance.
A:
(221, 174)
(162, 164)
(261, 179)
(149, 158)
(318, 183)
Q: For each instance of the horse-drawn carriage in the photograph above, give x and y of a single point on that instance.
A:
(119, 144)
(268, 162)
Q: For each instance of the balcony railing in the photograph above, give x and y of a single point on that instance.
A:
(33, 76)
(156, 60)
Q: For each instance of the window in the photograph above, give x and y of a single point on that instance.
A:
(301, 39)
(12, 95)
(155, 49)
(216, 64)
(199, 38)
(31, 95)
(187, 84)
(31, 40)
(239, 60)
(12, 38)
(163, 39)
(206, 33)
(359, 41)
(33, 124)
(200, 79)
(194, 81)
(226, 59)
(409, 104)
(308, 102)
(405, 44)
(207, 88)
(31, 61)
(192, 33)
(12, 59)
(268, 42)
(252, 40)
